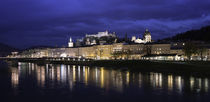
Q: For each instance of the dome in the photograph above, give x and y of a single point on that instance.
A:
(147, 32)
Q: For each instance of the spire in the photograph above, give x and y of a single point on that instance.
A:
(70, 39)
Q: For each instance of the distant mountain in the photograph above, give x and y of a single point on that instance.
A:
(202, 34)
(6, 50)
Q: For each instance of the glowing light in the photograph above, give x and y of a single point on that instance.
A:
(63, 55)
(178, 80)
(86, 76)
(58, 74)
(206, 84)
(170, 82)
(127, 78)
(102, 77)
(78, 72)
(70, 77)
(42, 76)
(38, 75)
(96, 72)
(74, 74)
(63, 73)
(15, 77)
(192, 83)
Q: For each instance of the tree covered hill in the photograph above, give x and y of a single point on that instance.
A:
(6, 50)
(202, 34)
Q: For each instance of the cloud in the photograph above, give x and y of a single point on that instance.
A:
(40, 22)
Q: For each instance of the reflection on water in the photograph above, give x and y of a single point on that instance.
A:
(14, 77)
(109, 79)
(156, 80)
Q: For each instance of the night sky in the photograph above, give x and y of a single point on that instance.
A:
(25, 23)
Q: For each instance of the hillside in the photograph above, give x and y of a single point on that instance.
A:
(5, 50)
(38, 47)
(202, 34)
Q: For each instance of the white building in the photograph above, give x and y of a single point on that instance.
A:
(146, 39)
(70, 44)
(87, 42)
(139, 41)
(93, 42)
(133, 38)
(101, 34)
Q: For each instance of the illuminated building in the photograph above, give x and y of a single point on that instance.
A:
(136, 51)
(70, 44)
(146, 38)
(101, 34)
(133, 38)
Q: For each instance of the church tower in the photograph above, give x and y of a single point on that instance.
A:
(147, 36)
(70, 44)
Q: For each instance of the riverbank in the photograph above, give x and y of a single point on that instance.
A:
(194, 67)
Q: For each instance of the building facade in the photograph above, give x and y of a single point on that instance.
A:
(117, 51)
(113, 51)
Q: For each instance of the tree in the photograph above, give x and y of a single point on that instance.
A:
(201, 52)
(126, 37)
(190, 49)
(148, 49)
(194, 35)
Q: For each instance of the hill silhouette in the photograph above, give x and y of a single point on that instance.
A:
(202, 34)
(6, 50)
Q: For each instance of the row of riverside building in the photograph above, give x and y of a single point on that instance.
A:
(151, 51)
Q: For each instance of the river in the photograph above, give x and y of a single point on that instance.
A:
(29, 82)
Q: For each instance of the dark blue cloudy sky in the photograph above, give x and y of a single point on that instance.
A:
(25, 23)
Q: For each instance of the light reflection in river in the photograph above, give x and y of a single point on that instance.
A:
(170, 82)
(14, 77)
(109, 79)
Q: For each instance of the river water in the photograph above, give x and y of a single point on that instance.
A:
(29, 82)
